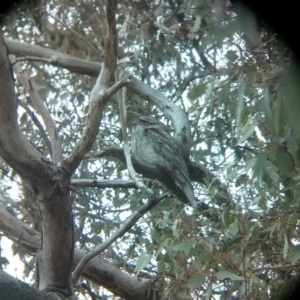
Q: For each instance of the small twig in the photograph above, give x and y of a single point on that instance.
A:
(36, 58)
(275, 267)
(102, 184)
(38, 125)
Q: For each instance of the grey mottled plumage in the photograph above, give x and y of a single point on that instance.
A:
(153, 145)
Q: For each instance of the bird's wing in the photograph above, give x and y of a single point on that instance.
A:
(169, 158)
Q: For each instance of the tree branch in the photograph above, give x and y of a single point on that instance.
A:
(103, 183)
(14, 147)
(11, 288)
(38, 104)
(38, 125)
(120, 232)
(55, 58)
(100, 94)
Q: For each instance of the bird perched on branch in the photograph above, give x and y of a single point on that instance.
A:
(153, 146)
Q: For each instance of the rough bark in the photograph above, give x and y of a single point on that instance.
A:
(13, 289)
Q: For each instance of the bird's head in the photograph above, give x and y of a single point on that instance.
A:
(149, 122)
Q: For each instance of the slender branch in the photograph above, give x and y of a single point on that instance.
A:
(103, 183)
(35, 58)
(120, 232)
(38, 125)
(276, 267)
(56, 148)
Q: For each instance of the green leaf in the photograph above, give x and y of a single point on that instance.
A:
(272, 171)
(294, 218)
(258, 169)
(222, 275)
(241, 180)
(176, 268)
(197, 24)
(233, 230)
(251, 248)
(240, 106)
(293, 255)
(227, 217)
(292, 95)
(185, 247)
(250, 164)
(197, 91)
(161, 266)
(205, 258)
(142, 262)
(285, 247)
(124, 28)
(156, 237)
(284, 161)
(195, 281)
(167, 204)
(174, 228)
(231, 55)
(209, 290)
(279, 114)
(246, 130)
(254, 232)
(267, 110)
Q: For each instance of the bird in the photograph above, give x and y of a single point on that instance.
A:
(153, 146)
